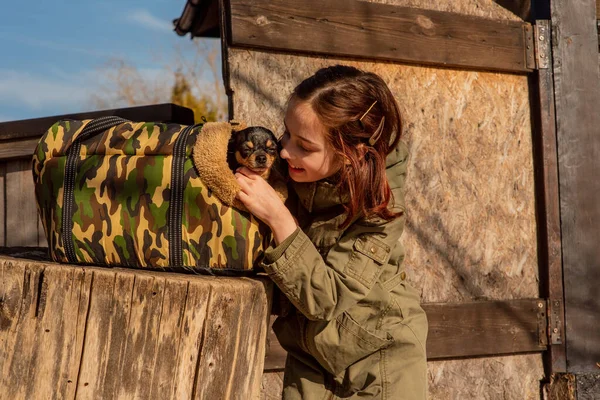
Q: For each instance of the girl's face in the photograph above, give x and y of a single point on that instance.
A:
(309, 156)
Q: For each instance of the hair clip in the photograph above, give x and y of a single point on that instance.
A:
(377, 134)
(366, 112)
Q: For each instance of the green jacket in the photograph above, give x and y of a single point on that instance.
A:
(347, 284)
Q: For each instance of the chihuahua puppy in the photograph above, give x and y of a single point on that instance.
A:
(255, 148)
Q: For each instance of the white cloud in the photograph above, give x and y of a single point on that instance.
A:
(52, 45)
(147, 20)
(57, 90)
(36, 91)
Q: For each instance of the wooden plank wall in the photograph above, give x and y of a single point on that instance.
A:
(83, 332)
(577, 96)
(20, 222)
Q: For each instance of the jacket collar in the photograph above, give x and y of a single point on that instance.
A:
(320, 195)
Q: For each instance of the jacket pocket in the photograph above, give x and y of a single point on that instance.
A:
(340, 343)
(368, 256)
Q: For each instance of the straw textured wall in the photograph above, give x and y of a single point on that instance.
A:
(471, 230)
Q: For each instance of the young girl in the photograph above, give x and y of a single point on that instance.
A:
(357, 330)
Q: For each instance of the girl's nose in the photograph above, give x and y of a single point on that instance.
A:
(284, 154)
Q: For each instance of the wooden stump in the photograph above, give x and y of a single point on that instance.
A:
(86, 332)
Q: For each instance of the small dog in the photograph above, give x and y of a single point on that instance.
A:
(255, 148)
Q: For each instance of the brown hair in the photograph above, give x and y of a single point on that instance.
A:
(340, 95)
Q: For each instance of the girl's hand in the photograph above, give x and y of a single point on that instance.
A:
(262, 201)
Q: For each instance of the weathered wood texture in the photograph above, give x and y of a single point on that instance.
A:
(485, 328)
(83, 332)
(20, 207)
(577, 96)
(588, 386)
(547, 196)
(11, 149)
(377, 31)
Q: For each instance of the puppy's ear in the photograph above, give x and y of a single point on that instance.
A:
(240, 137)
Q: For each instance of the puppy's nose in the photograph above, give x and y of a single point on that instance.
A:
(262, 159)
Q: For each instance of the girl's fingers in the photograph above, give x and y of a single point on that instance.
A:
(243, 197)
(243, 181)
(247, 172)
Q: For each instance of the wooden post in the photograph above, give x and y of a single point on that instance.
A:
(85, 332)
(577, 96)
(548, 208)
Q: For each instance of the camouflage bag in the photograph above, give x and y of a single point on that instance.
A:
(120, 193)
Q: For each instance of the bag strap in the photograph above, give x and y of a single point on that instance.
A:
(73, 152)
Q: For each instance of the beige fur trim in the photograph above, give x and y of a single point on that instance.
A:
(210, 159)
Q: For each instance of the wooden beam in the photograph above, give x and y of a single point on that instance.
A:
(577, 96)
(545, 160)
(485, 328)
(11, 149)
(35, 128)
(473, 329)
(366, 30)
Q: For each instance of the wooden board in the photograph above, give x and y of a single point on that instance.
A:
(378, 31)
(20, 208)
(577, 96)
(470, 329)
(2, 203)
(484, 328)
(86, 332)
(548, 206)
(11, 149)
(36, 127)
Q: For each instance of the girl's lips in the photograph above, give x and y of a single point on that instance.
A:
(294, 169)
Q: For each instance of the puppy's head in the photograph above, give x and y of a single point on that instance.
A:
(256, 148)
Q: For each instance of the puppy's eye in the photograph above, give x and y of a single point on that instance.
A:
(246, 151)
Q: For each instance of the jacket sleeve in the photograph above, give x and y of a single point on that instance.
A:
(322, 288)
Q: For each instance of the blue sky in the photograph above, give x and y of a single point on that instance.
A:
(55, 53)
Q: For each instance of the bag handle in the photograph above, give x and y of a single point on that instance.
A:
(98, 125)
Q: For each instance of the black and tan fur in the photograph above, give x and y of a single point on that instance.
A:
(253, 147)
